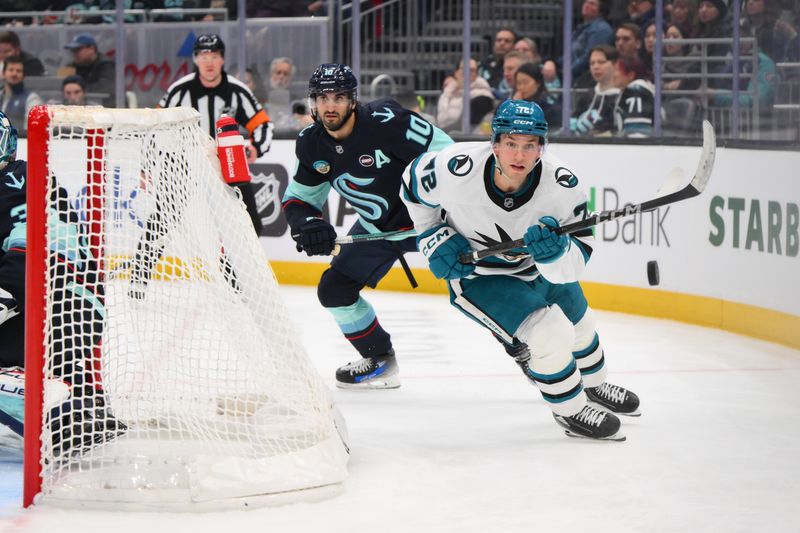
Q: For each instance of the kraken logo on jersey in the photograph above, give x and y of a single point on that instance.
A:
(460, 165)
(566, 178)
(369, 206)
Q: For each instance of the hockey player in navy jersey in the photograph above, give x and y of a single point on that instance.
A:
(79, 417)
(360, 151)
(474, 195)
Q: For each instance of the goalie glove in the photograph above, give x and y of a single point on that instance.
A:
(8, 305)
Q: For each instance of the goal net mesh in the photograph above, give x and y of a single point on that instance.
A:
(172, 373)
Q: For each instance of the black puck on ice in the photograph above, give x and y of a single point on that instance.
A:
(652, 273)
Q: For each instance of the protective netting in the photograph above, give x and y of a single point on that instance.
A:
(185, 382)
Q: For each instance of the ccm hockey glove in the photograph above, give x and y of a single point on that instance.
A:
(442, 246)
(315, 237)
(543, 243)
(8, 305)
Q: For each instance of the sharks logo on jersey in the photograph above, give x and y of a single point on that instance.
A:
(369, 206)
(566, 178)
(460, 165)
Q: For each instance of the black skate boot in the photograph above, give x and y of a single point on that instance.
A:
(615, 399)
(378, 372)
(591, 423)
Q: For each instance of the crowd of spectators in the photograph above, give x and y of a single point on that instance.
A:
(612, 69)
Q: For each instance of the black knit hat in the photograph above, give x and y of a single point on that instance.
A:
(721, 5)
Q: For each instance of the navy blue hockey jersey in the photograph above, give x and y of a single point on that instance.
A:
(365, 168)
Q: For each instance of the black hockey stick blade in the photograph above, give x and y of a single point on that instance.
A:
(694, 188)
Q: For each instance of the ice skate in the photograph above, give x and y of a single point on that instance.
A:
(591, 423)
(615, 399)
(378, 372)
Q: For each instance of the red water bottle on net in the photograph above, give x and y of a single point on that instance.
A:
(230, 150)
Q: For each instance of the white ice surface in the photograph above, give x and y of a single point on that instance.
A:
(467, 445)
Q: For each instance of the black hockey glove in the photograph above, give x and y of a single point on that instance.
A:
(315, 237)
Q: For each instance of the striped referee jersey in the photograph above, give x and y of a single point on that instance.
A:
(231, 97)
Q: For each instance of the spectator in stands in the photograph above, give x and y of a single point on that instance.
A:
(73, 91)
(594, 111)
(634, 111)
(279, 95)
(642, 12)
(684, 16)
(301, 115)
(787, 25)
(593, 31)
(255, 83)
(528, 47)
(16, 101)
(491, 68)
(10, 46)
(530, 86)
(649, 47)
(714, 25)
(96, 69)
(511, 63)
(691, 65)
(628, 40)
(450, 107)
(761, 86)
(281, 72)
(758, 20)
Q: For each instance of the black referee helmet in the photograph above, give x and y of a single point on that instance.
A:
(209, 42)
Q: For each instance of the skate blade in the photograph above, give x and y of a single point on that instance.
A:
(606, 409)
(618, 436)
(389, 382)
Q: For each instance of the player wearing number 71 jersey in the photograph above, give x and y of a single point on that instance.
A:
(472, 195)
(360, 151)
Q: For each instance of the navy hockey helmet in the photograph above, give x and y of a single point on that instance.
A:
(519, 116)
(209, 42)
(332, 77)
(8, 140)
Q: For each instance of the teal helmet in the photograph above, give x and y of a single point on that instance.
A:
(519, 116)
(8, 139)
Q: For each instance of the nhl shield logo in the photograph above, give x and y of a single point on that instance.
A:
(366, 160)
(460, 165)
(508, 202)
(323, 167)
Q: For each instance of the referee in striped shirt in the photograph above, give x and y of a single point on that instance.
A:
(213, 92)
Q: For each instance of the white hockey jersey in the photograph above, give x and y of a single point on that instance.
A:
(456, 186)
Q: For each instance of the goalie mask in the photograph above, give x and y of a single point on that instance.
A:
(8, 140)
(519, 116)
(332, 78)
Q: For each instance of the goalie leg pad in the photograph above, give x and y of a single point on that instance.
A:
(550, 335)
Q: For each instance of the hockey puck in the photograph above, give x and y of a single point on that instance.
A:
(652, 273)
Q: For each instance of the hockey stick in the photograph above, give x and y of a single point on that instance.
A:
(395, 235)
(666, 195)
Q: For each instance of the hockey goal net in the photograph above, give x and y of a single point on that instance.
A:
(161, 368)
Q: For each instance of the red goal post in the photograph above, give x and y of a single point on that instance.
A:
(162, 371)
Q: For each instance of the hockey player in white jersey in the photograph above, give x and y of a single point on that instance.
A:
(472, 195)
